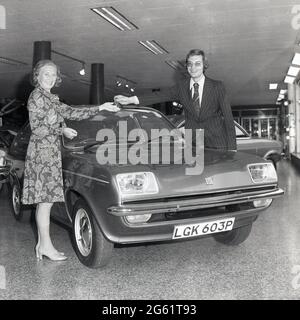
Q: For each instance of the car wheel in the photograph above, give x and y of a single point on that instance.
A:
(90, 245)
(235, 236)
(15, 199)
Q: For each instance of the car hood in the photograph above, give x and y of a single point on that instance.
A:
(261, 142)
(222, 171)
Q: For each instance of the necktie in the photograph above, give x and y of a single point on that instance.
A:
(196, 101)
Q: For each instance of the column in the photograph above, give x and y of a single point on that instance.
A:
(291, 108)
(41, 51)
(297, 117)
(97, 86)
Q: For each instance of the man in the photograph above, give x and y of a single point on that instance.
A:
(204, 101)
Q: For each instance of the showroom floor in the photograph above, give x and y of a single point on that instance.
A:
(266, 266)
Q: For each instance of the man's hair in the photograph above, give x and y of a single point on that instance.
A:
(197, 52)
(39, 66)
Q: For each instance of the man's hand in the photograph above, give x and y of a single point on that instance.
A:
(109, 106)
(126, 100)
(69, 133)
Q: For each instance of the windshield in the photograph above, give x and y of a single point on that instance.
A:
(120, 123)
(240, 132)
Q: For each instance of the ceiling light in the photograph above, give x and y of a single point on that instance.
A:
(289, 79)
(175, 64)
(283, 91)
(273, 86)
(82, 71)
(114, 17)
(280, 96)
(153, 46)
(296, 59)
(128, 84)
(293, 71)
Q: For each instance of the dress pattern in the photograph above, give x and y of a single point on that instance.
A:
(43, 181)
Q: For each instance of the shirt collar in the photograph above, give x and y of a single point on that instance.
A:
(200, 82)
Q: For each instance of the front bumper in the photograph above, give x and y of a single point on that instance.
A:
(185, 205)
(167, 214)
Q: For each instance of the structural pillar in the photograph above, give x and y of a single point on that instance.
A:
(292, 108)
(297, 116)
(97, 87)
(41, 51)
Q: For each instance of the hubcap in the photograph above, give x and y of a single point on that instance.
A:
(83, 232)
(16, 200)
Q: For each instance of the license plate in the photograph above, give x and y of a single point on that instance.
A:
(199, 229)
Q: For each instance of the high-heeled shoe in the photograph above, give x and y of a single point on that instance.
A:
(55, 256)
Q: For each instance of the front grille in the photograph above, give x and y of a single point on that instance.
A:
(190, 214)
(203, 195)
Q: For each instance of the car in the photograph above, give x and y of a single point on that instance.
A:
(13, 115)
(266, 148)
(110, 203)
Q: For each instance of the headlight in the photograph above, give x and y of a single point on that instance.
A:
(138, 218)
(2, 158)
(137, 183)
(262, 172)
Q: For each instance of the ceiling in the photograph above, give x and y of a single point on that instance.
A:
(248, 43)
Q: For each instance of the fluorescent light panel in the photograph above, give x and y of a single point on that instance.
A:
(296, 59)
(293, 71)
(114, 17)
(273, 86)
(153, 46)
(283, 91)
(174, 64)
(289, 79)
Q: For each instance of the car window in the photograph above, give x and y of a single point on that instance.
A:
(240, 133)
(88, 129)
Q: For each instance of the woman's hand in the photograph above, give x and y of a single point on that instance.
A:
(69, 133)
(109, 106)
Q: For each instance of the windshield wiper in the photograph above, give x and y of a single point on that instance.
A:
(92, 144)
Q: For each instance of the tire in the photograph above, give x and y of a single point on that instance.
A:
(90, 245)
(235, 236)
(15, 199)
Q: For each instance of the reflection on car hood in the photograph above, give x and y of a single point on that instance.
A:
(261, 142)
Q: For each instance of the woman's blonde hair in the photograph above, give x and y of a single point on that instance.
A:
(39, 66)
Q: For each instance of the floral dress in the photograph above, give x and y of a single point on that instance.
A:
(43, 180)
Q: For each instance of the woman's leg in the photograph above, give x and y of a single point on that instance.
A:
(45, 245)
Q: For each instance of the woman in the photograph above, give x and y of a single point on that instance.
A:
(43, 182)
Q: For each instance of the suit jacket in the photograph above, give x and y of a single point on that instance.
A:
(215, 115)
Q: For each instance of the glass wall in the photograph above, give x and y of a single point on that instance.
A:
(258, 121)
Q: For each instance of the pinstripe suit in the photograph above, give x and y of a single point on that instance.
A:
(215, 115)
